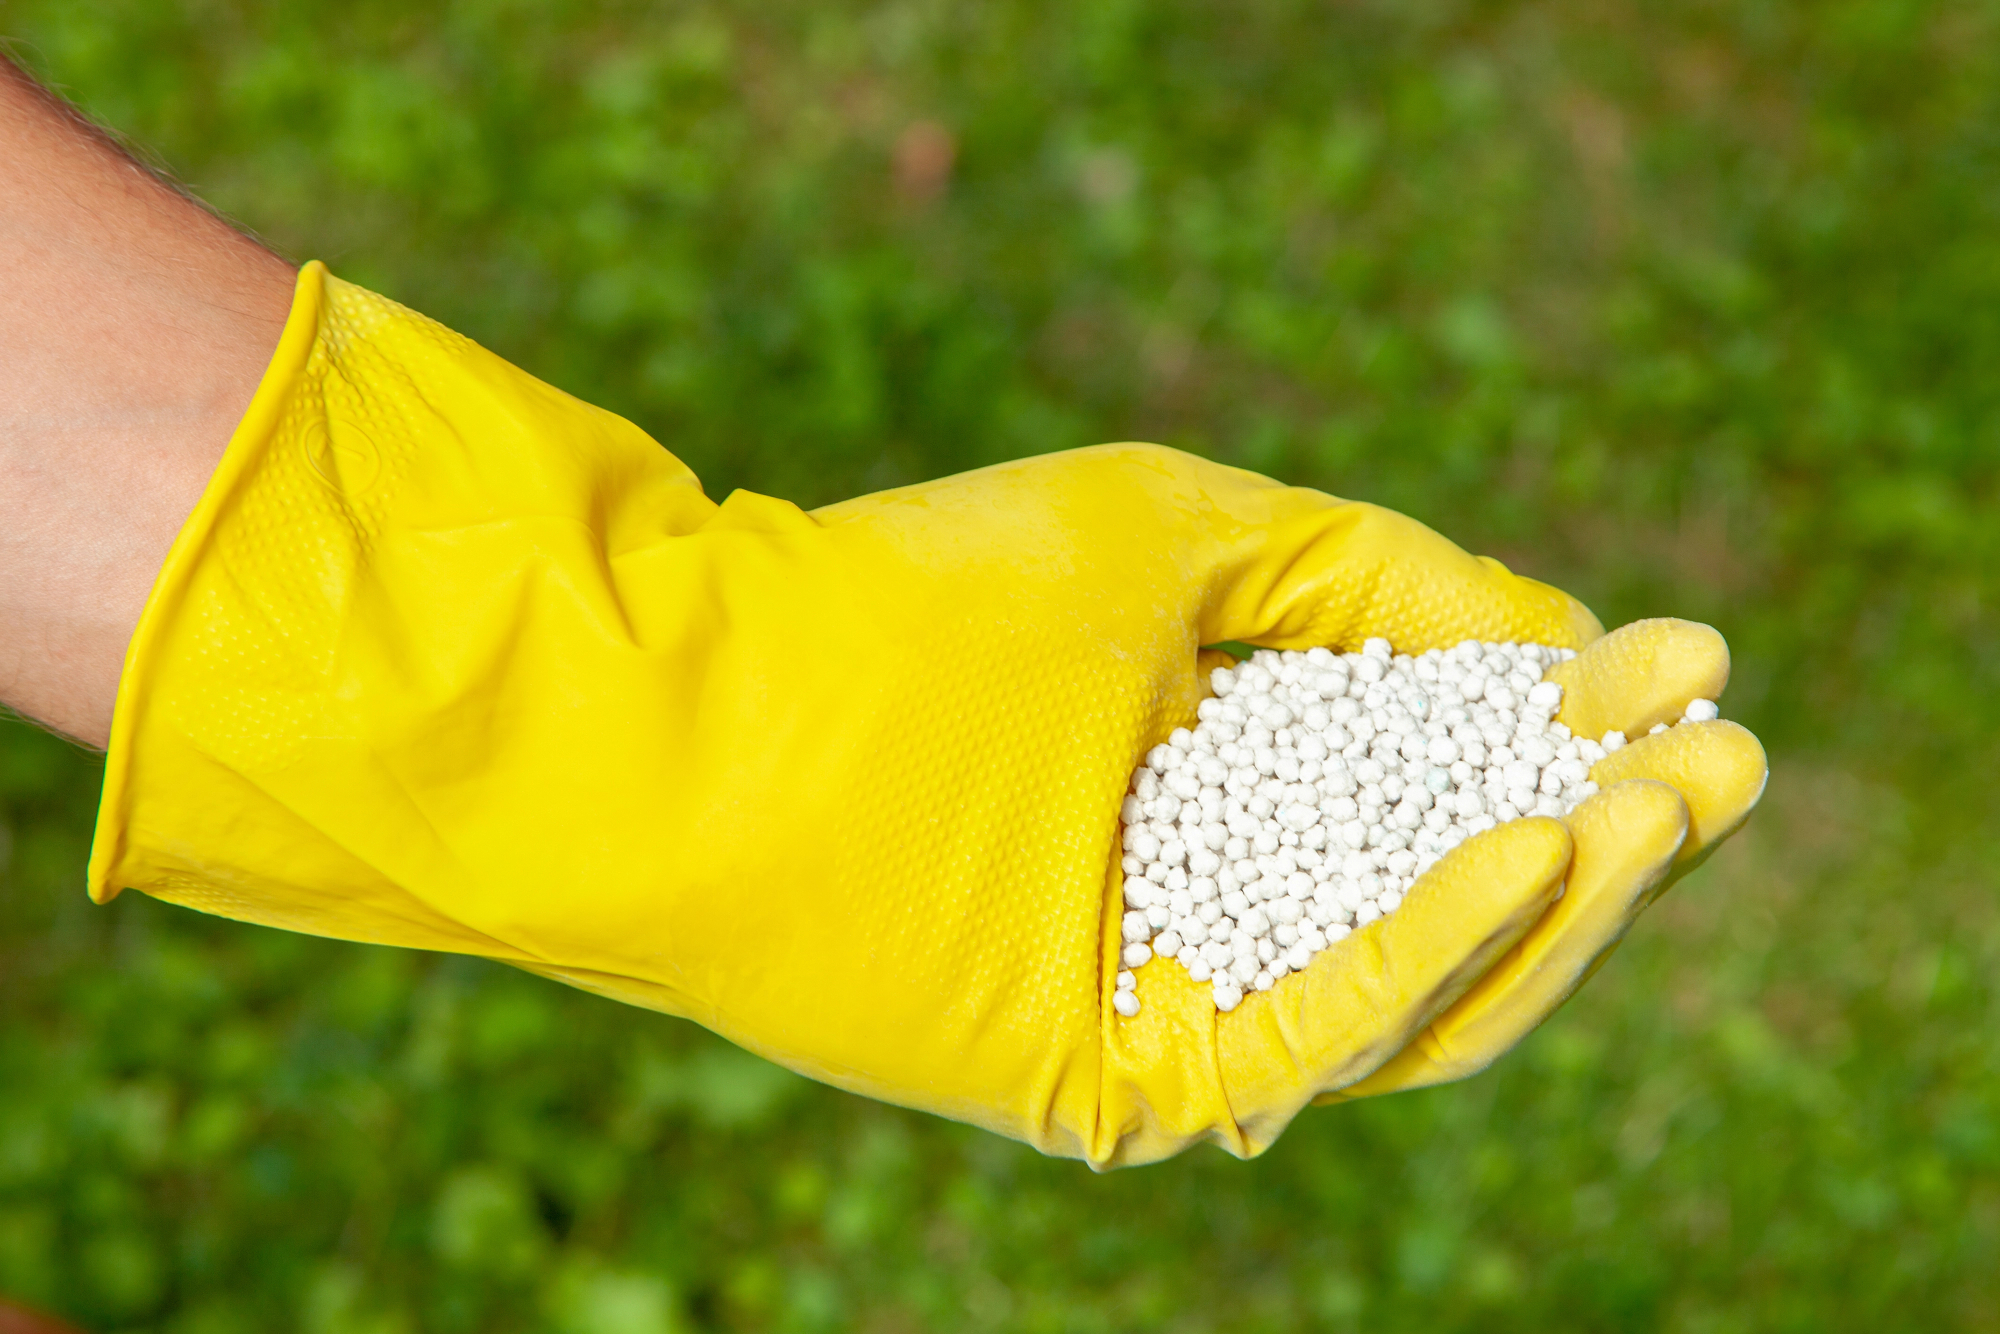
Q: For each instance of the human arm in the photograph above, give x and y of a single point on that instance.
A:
(134, 328)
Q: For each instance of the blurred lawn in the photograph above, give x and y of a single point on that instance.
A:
(1691, 308)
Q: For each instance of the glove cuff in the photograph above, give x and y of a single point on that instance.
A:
(114, 864)
(374, 524)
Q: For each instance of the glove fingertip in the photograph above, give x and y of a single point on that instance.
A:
(1641, 674)
(1718, 767)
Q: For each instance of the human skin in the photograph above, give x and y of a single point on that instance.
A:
(134, 328)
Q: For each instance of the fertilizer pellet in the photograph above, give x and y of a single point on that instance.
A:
(1317, 787)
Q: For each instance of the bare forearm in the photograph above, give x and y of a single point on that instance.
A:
(134, 327)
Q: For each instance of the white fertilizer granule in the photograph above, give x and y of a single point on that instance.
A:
(1318, 786)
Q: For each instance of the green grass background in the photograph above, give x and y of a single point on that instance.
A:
(1692, 308)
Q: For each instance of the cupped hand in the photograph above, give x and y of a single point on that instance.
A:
(447, 659)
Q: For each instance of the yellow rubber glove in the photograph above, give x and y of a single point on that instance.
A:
(447, 659)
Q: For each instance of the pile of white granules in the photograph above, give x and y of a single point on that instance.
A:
(1318, 786)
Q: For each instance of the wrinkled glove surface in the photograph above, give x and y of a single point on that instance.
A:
(448, 659)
